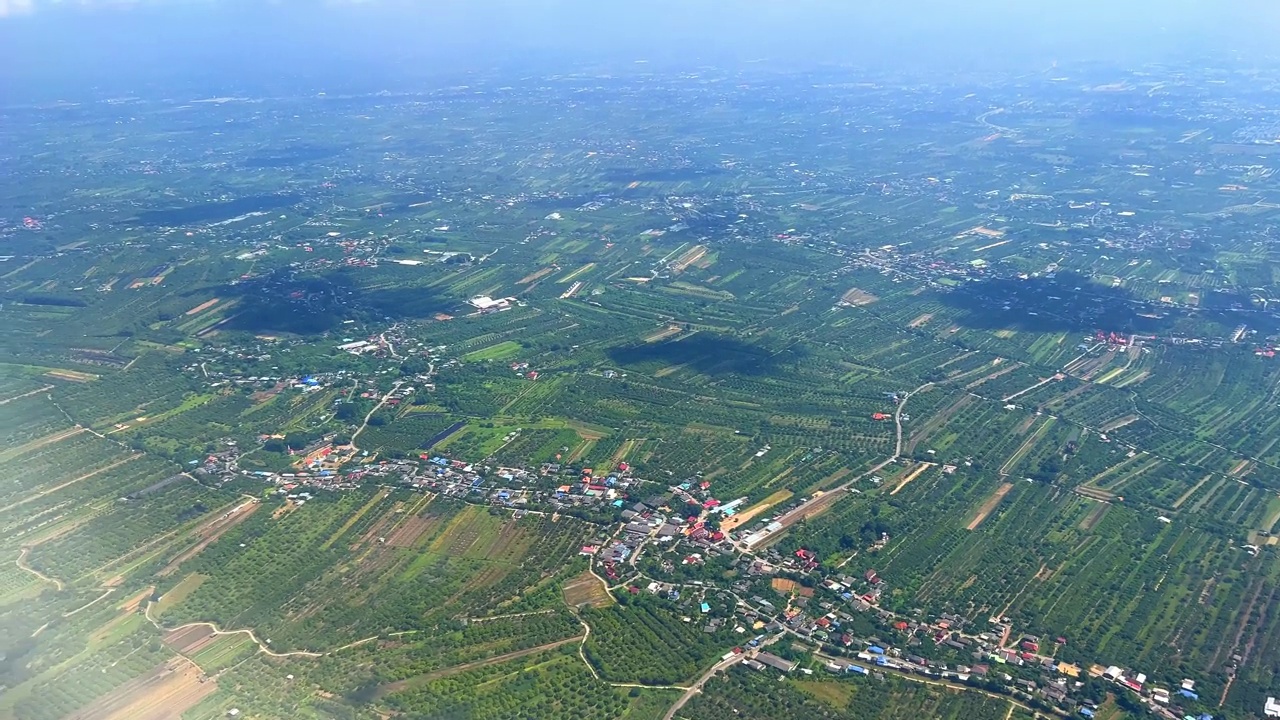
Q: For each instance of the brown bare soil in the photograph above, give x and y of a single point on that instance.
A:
(858, 298)
(586, 589)
(1119, 423)
(690, 256)
(190, 638)
(72, 375)
(1094, 493)
(920, 320)
(376, 530)
(737, 519)
(164, 693)
(914, 474)
(132, 603)
(1094, 517)
(202, 307)
(663, 334)
(784, 585)
(408, 534)
(989, 505)
(537, 275)
(262, 396)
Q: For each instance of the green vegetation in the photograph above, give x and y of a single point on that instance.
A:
(269, 452)
(646, 643)
(745, 693)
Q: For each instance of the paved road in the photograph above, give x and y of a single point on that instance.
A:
(697, 686)
(821, 502)
(723, 664)
(383, 401)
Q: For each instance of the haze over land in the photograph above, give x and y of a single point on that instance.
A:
(583, 361)
(237, 44)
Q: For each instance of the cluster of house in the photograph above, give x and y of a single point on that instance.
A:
(823, 615)
(651, 520)
(995, 655)
(1056, 685)
(522, 369)
(315, 468)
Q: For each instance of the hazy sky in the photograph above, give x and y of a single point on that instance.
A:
(65, 43)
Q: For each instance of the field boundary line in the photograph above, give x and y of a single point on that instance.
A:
(511, 615)
(86, 476)
(6, 401)
(474, 664)
(89, 604)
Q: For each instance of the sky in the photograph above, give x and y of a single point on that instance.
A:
(69, 45)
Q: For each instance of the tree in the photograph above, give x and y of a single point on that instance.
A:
(415, 366)
(297, 440)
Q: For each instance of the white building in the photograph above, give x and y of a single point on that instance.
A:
(484, 302)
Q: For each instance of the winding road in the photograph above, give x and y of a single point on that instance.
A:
(262, 647)
(22, 556)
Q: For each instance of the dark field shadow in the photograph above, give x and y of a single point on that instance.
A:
(660, 175)
(313, 304)
(211, 211)
(707, 353)
(292, 155)
(1074, 303)
(1067, 302)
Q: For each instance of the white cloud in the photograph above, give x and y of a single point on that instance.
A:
(9, 8)
(14, 8)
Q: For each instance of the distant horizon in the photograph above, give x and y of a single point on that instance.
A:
(54, 47)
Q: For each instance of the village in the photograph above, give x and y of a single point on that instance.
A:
(646, 544)
(676, 539)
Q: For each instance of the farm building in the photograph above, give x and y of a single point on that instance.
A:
(776, 662)
(484, 302)
(757, 537)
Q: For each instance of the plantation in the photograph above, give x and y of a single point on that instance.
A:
(998, 359)
(645, 642)
(554, 684)
(748, 693)
(467, 562)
